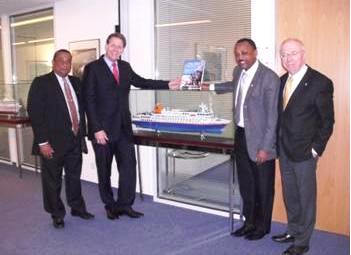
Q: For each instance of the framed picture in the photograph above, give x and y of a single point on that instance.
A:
(216, 60)
(83, 52)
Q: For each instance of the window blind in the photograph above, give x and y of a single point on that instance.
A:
(204, 30)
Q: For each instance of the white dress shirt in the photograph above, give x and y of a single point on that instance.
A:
(250, 73)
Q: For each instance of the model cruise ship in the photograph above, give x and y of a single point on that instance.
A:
(202, 120)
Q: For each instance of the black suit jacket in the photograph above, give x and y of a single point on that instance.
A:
(106, 102)
(307, 121)
(49, 113)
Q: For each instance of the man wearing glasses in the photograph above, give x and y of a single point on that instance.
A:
(306, 118)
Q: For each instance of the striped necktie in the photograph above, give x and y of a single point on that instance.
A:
(72, 107)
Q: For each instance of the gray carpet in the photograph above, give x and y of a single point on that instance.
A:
(25, 229)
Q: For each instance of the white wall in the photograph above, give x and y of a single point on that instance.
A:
(263, 30)
(93, 19)
(137, 23)
(83, 20)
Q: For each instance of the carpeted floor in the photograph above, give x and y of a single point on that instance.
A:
(25, 229)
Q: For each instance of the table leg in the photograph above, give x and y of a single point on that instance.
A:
(231, 195)
(139, 174)
(18, 149)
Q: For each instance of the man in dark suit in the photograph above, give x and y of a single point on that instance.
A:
(306, 118)
(255, 90)
(59, 128)
(106, 85)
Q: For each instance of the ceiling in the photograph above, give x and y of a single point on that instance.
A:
(10, 7)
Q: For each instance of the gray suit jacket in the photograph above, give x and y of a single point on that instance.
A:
(260, 109)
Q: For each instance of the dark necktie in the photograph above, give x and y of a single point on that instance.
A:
(72, 107)
(115, 72)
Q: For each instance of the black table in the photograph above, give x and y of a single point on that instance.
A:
(17, 122)
(188, 142)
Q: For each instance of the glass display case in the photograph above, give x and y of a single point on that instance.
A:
(13, 114)
(193, 166)
(13, 97)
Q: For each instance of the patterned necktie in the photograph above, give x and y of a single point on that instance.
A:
(239, 98)
(115, 72)
(72, 107)
(287, 91)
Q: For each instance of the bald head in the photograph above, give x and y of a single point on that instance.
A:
(292, 54)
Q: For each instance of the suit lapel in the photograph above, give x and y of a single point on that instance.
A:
(299, 91)
(61, 100)
(106, 71)
(255, 80)
(236, 78)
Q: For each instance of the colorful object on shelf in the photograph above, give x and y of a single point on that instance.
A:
(201, 120)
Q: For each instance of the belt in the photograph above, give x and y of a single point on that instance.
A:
(240, 129)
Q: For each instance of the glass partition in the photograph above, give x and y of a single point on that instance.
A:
(32, 41)
(189, 171)
(13, 100)
(1, 57)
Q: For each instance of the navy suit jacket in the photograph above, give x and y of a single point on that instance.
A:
(49, 113)
(106, 102)
(308, 119)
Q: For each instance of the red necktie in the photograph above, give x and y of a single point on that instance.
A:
(72, 107)
(115, 72)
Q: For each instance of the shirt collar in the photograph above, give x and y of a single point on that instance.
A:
(60, 78)
(109, 62)
(252, 70)
(299, 75)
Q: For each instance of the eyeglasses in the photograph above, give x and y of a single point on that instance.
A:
(291, 54)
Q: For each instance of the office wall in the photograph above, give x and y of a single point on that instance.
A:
(324, 28)
(84, 20)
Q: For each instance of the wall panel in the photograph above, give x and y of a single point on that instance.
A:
(323, 25)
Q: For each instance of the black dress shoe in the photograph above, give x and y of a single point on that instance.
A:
(283, 238)
(130, 212)
(244, 230)
(111, 215)
(255, 235)
(84, 215)
(296, 250)
(58, 222)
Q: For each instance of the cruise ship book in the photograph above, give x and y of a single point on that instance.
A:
(193, 73)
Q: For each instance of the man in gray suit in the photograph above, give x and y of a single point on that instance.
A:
(256, 89)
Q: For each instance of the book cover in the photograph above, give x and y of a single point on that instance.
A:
(193, 74)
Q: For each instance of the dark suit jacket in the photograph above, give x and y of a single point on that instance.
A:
(308, 119)
(49, 113)
(106, 102)
(260, 109)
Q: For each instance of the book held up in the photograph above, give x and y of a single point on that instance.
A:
(193, 73)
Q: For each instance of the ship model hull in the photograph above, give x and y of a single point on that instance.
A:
(181, 127)
(201, 121)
